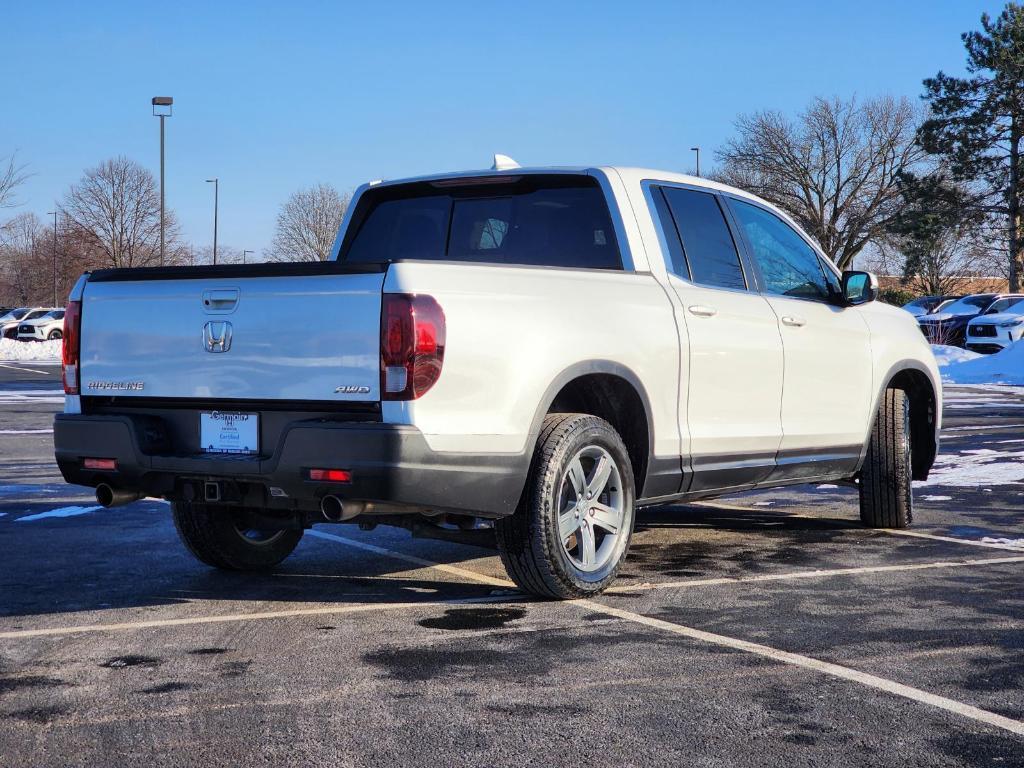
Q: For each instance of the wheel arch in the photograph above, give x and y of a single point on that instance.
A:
(610, 391)
(914, 378)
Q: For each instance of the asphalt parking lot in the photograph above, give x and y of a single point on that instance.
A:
(765, 629)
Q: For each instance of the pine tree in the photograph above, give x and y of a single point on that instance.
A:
(977, 124)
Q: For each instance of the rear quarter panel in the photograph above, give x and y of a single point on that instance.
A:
(513, 331)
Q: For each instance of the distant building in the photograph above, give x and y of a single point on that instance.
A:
(964, 285)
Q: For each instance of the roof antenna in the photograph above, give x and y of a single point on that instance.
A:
(504, 163)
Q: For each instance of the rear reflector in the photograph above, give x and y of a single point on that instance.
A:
(330, 475)
(108, 465)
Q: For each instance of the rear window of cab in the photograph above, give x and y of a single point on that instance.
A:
(530, 220)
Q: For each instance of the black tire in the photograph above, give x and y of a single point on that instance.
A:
(54, 335)
(529, 542)
(886, 498)
(217, 537)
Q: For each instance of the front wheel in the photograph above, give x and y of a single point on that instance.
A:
(220, 536)
(886, 499)
(571, 531)
(54, 335)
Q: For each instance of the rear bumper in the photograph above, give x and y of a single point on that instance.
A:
(390, 464)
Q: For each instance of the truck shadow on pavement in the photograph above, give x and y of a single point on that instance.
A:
(130, 557)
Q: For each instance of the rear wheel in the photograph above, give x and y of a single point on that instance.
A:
(886, 499)
(572, 529)
(220, 536)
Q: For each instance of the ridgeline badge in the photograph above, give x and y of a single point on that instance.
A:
(117, 386)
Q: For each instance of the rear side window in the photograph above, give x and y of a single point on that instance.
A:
(707, 243)
(788, 264)
(534, 221)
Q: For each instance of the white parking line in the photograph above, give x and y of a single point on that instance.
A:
(18, 634)
(813, 574)
(452, 569)
(22, 368)
(824, 667)
(794, 659)
(855, 526)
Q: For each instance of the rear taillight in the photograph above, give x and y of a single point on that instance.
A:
(72, 341)
(412, 336)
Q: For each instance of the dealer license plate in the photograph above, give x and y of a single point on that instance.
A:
(229, 432)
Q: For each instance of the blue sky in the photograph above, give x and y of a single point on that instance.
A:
(271, 97)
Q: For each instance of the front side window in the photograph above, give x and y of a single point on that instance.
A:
(788, 264)
(835, 286)
(1014, 304)
(707, 243)
(534, 221)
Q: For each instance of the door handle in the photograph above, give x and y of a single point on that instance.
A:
(220, 299)
(793, 321)
(701, 311)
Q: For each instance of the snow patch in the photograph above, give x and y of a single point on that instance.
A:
(12, 350)
(827, 486)
(26, 431)
(944, 355)
(1006, 367)
(60, 512)
(936, 498)
(980, 468)
(1004, 542)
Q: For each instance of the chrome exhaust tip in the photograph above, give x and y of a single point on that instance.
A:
(332, 509)
(106, 496)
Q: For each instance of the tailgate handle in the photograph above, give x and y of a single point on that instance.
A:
(220, 299)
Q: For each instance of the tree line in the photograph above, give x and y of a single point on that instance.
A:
(931, 191)
(110, 218)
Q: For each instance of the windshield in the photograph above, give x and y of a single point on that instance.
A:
(14, 314)
(969, 305)
(924, 301)
(549, 220)
(1013, 304)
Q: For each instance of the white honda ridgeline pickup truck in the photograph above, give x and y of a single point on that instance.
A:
(519, 356)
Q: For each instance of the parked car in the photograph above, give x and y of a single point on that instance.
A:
(12, 316)
(544, 350)
(46, 328)
(999, 326)
(949, 325)
(9, 328)
(926, 305)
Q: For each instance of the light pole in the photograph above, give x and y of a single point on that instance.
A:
(54, 214)
(162, 107)
(697, 150)
(243, 255)
(216, 196)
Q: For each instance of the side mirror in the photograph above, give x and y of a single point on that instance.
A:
(859, 287)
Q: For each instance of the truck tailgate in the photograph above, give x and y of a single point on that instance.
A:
(294, 332)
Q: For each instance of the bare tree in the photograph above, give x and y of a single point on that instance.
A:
(12, 176)
(117, 206)
(835, 169)
(26, 260)
(308, 223)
